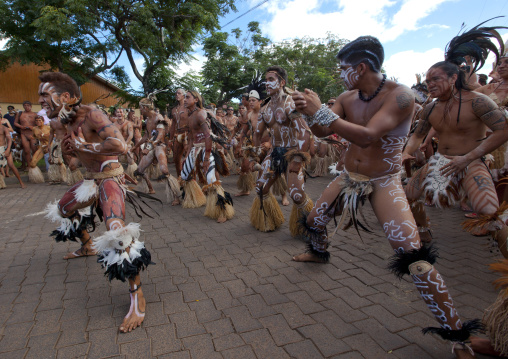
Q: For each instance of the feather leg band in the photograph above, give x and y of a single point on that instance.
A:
(459, 335)
(399, 263)
(113, 255)
(70, 229)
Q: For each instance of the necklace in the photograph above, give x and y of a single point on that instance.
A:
(191, 112)
(360, 95)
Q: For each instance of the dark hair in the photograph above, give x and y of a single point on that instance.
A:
(451, 69)
(482, 79)
(195, 94)
(365, 49)
(279, 71)
(27, 102)
(10, 106)
(61, 82)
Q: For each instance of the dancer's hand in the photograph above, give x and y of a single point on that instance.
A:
(455, 166)
(407, 157)
(306, 102)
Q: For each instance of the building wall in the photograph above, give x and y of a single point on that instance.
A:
(20, 83)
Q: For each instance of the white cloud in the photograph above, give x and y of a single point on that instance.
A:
(2, 43)
(406, 64)
(195, 64)
(298, 18)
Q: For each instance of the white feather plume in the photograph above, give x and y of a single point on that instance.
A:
(109, 241)
(85, 191)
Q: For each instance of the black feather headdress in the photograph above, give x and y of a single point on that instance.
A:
(475, 43)
(257, 84)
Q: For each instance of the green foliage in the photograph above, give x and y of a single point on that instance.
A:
(229, 66)
(90, 32)
(310, 63)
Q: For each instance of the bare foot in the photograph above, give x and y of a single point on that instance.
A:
(136, 314)
(84, 251)
(176, 202)
(22, 185)
(285, 201)
(221, 219)
(483, 346)
(308, 257)
(242, 194)
(151, 191)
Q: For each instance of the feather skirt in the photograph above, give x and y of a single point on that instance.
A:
(440, 190)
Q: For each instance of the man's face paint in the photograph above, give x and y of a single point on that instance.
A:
(50, 98)
(349, 75)
(272, 83)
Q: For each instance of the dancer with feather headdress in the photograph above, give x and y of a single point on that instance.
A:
(377, 127)
(96, 142)
(155, 149)
(461, 119)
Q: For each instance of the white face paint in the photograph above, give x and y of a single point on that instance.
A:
(273, 85)
(350, 77)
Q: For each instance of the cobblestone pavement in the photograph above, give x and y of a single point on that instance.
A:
(225, 290)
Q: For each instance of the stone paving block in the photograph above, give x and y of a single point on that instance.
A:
(222, 274)
(74, 351)
(222, 299)
(351, 298)
(326, 343)
(136, 334)
(73, 332)
(173, 303)
(46, 322)
(208, 282)
(335, 324)
(163, 339)
(366, 346)
(103, 343)
(155, 315)
(263, 344)
(390, 322)
(184, 354)
(42, 346)
(293, 315)
(303, 349)
(186, 324)
(242, 322)
(343, 310)
(51, 300)
(201, 347)
(205, 311)
(257, 306)
(219, 327)
(349, 355)
(388, 341)
(22, 312)
(280, 331)
(138, 349)
(243, 352)
(306, 304)
(100, 318)
(227, 342)
(237, 288)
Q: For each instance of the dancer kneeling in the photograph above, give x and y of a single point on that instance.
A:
(96, 143)
(375, 116)
(219, 204)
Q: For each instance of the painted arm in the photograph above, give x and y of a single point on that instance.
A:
(422, 129)
(258, 131)
(113, 143)
(130, 132)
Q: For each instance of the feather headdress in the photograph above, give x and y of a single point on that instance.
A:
(257, 87)
(475, 43)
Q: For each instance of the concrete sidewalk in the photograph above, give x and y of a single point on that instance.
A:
(226, 290)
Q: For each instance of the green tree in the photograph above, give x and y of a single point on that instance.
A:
(310, 63)
(162, 32)
(229, 65)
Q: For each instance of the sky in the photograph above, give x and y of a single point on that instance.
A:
(414, 33)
